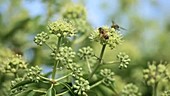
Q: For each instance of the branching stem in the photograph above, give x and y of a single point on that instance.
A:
(56, 63)
(100, 61)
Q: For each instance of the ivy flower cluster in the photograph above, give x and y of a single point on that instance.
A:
(74, 12)
(77, 15)
(41, 38)
(86, 53)
(81, 86)
(113, 39)
(108, 76)
(76, 71)
(62, 28)
(33, 74)
(65, 55)
(124, 60)
(130, 90)
(15, 64)
(155, 72)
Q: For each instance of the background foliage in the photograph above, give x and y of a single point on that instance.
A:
(146, 38)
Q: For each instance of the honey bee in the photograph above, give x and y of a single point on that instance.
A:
(103, 33)
(116, 26)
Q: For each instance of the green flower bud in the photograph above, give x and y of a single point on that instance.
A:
(16, 81)
(161, 68)
(145, 77)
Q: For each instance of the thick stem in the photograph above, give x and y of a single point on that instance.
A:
(56, 63)
(54, 70)
(100, 61)
(58, 44)
(154, 89)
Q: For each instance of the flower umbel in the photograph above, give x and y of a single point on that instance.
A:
(155, 72)
(15, 64)
(61, 28)
(86, 53)
(130, 90)
(74, 12)
(41, 38)
(33, 74)
(113, 39)
(81, 86)
(108, 76)
(124, 60)
(65, 55)
(76, 71)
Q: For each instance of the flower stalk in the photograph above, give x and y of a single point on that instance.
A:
(100, 61)
(96, 84)
(56, 63)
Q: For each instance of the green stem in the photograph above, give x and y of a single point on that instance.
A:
(154, 89)
(39, 91)
(111, 62)
(100, 61)
(88, 65)
(56, 63)
(61, 94)
(54, 70)
(96, 84)
(63, 77)
(58, 44)
(44, 78)
(49, 46)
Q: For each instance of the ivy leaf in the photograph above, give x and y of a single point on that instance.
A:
(68, 87)
(51, 91)
(32, 93)
(22, 83)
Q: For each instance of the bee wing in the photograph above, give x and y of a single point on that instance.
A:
(113, 22)
(122, 28)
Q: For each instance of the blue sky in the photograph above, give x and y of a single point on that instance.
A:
(97, 16)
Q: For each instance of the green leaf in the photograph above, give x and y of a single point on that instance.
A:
(32, 93)
(68, 87)
(22, 83)
(51, 91)
(22, 93)
(92, 93)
